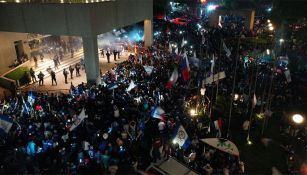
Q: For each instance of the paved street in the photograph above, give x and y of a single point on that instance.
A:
(104, 66)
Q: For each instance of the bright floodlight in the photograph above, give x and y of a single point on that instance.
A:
(268, 51)
(271, 28)
(236, 97)
(270, 24)
(269, 21)
(298, 118)
(211, 7)
(174, 141)
(192, 112)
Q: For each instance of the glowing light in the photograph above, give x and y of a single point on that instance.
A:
(180, 32)
(202, 91)
(269, 21)
(17, 1)
(268, 51)
(270, 24)
(298, 118)
(203, 1)
(114, 30)
(271, 28)
(185, 42)
(236, 97)
(192, 112)
(191, 47)
(249, 142)
(174, 141)
(211, 7)
(269, 9)
(281, 40)
(2, 1)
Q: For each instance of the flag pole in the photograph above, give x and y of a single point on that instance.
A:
(252, 107)
(233, 86)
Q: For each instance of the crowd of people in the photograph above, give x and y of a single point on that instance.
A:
(112, 128)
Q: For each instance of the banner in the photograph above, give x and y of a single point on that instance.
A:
(5, 123)
(211, 79)
(78, 120)
(222, 145)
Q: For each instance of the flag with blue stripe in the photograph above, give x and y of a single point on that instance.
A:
(31, 98)
(181, 137)
(5, 123)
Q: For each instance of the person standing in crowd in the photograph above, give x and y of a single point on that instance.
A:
(65, 73)
(118, 53)
(102, 53)
(71, 70)
(72, 52)
(114, 54)
(108, 56)
(53, 77)
(41, 55)
(32, 74)
(41, 78)
(56, 66)
(35, 61)
(77, 67)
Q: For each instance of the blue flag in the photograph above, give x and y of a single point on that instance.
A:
(5, 123)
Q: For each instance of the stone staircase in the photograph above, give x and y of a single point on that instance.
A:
(64, 63)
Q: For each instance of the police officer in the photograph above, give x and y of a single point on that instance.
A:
(65, 73)
(41, 78)
(53, 78)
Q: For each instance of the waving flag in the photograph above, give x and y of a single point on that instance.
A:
(254, 102)
(78, 120)
(112, 86)
(148, 69)
(185, 68)
(31, 98)
(195, 61)
(288, 76)
(25, 107)
(172, 80)
(182, 138)
(228, 52)
(5, 123)
(182, 42)
(158, 113)
(131, 86)
(170, 49)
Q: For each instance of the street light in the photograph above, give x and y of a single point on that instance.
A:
(281, 40)
(271, 28)
(298, 118)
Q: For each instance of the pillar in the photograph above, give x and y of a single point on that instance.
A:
(91, 59)
(148, 32)
(250, 19)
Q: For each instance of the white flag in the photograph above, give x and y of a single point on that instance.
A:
(212, 64)
(78, 120)
(288, 76)
(131, 86)
(148, 69)
(228, 53)
(170, 49)
(182, 42)
(254, 102)
(176, 51)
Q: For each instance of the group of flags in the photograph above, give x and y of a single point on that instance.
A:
(185, 71)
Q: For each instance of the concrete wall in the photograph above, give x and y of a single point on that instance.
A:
(7, 48)
(73, 19)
